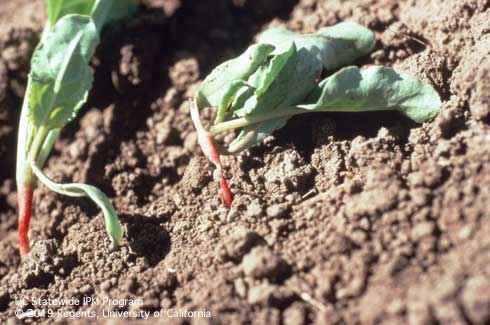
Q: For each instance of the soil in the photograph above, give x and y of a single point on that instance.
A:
(337, 218)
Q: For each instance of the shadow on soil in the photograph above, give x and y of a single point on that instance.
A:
(147, 239)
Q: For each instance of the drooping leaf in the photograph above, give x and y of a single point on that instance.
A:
(112, 224)
(351, 90)
(233, 92)
(374, 89)
(283, 83)
(259, 82)
(334, 46)
(215, 85)
(295, 80)
(60, 75)
(267, 73)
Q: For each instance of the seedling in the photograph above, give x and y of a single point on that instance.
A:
(278, 78)
(58, 85)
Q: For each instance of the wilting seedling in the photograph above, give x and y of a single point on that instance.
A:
(58, 85)
(278, 78)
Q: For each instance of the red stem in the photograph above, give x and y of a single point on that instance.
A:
(206, 142)
(25, 195)
(208, 147)
(225, 193)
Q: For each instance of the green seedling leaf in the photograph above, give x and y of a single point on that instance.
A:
(60, 8)
(57, 87)
(334, 46)
(217, 84)
(285, 81)
(232, 92)
(260, 96)
(293, 81)
(105, 11)
(112, 224)
(60, 76)
(267, 73)
(374, 89)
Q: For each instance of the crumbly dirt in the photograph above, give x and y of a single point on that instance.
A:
(337, 218)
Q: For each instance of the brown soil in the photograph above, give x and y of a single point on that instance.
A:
(338, 218)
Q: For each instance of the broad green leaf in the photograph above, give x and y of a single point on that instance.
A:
(267, 73)
(242, 95)
(233, 91)
(285, 81)
(61, 77)
(376, 88)
(333, 46)
(105, 11)
(217, 82)
(112, 223)
(60, 8)
(260, 81)
(295, 80)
